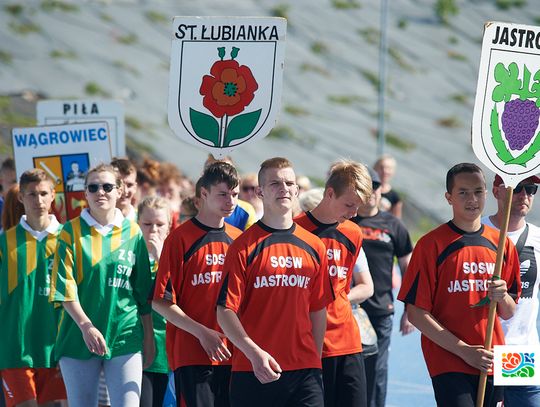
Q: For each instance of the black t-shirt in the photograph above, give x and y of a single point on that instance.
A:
(385, 237)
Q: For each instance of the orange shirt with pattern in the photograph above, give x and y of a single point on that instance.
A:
(343, 242)
(190, 275)
(275, 278)
(447, 275)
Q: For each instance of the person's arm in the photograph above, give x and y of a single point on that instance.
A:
(397, 209)
(92, 336)
(363, 287)
(149, 344)
(405, 327)
(210, 340)
(318, 327)
(497, 291)
(265, 367)
(474, 355)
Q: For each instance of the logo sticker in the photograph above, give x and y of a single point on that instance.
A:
(516, 365)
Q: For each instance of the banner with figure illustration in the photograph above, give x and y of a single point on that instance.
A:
(65, 153)
(225, 79)
(505, 133)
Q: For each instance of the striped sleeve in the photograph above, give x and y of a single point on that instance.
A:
(63, 283)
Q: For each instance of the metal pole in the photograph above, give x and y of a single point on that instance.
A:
(383, 52)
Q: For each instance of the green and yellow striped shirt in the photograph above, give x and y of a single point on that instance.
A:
(28, 320)
(110, 277)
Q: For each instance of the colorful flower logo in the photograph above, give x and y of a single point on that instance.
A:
(516, 364)
(227, 91)
(520, 115)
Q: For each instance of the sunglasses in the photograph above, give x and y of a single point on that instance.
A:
(247, 188)
(529, 189)
(93, 188)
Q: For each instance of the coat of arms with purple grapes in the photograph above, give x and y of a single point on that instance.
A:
(519, 94)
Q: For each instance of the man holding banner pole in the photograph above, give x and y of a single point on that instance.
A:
(521, 328)
(448, 280)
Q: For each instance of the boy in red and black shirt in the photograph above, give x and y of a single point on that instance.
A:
(273, 301)
(188, 280)
(344, 377)
(450, 271)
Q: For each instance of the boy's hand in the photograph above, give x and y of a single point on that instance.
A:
(265, 367)
(497, 290)
(212, 343)
(478, 357)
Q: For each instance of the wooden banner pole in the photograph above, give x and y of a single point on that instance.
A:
(493, 305)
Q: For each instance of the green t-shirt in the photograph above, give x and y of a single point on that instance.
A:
(160, 365)
(110, 277)
(28, 320)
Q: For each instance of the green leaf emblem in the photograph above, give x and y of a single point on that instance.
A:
(241, 126)
(205, 126)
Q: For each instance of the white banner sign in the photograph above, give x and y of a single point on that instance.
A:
(507, 108)
(81, 111)
(65, 153)
(225, 79)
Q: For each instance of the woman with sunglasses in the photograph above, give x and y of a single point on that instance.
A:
(101, 276)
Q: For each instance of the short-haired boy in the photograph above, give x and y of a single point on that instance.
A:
(449, 273)
(29, 372)
(188, 281)
(273, 302)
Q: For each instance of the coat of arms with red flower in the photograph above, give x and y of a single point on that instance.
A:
(227, 92)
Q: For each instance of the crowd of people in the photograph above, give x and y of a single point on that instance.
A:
(253, 289)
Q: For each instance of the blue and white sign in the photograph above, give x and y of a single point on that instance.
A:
(82, 111)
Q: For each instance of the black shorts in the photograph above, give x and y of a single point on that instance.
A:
(460, 389)
(295, 388)
(154, 386)
(203, 386)
(344, 379)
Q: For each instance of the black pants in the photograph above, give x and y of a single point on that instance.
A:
(377, 365)
(154, 386)
(203, 386)
(460, 389)
(295, 388)
(344, 379)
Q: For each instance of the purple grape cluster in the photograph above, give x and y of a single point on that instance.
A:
(519, 122)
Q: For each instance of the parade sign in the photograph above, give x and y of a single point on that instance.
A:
(225, 79)
(65, 152)
(516, 365)
(505, 133)
(82, 111)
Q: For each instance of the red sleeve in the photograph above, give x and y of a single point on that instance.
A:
(169, 270)
(235, 286)
(322, 293)
(419, 282)
(511, 273)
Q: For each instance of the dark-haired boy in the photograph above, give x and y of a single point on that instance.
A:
(188, 281)
(273, 302)
(449, 273)
(128, 173)
(29, 372)
(344, 376)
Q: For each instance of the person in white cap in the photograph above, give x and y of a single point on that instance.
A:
(521, 328)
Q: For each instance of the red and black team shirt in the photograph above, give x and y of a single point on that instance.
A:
(190, 275)
(447, 275)
(343, 242)
(275, 278)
